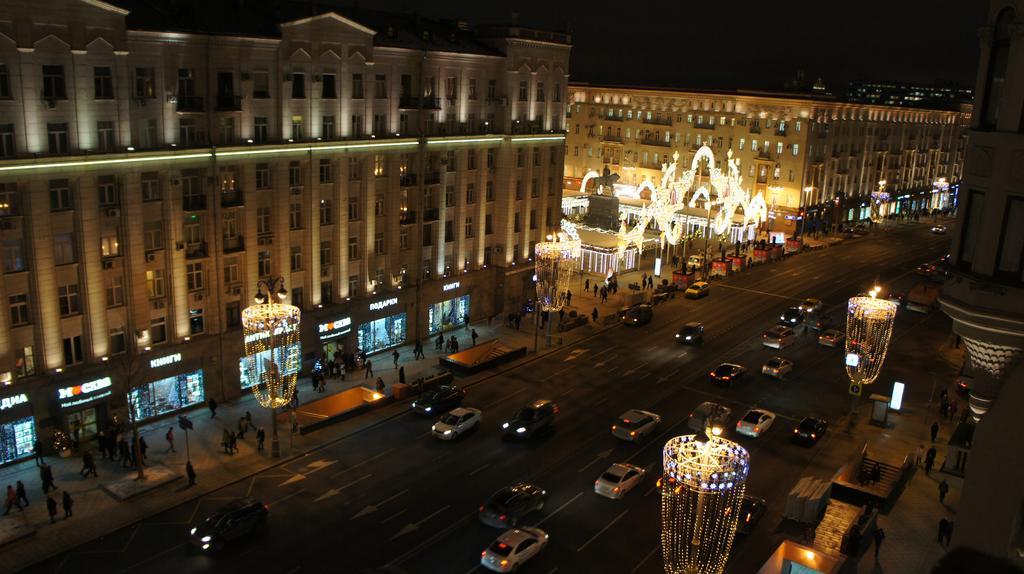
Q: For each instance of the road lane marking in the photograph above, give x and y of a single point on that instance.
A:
(723, 286)
(414, 526)
(559, 509)
(284, 498)
(505, 398)
(336, 491)
(644, 560)
(367, 461)
(479, 469)
(602, 531)
(429, 541)
(374, 508)
(601, 455)
(393, 516)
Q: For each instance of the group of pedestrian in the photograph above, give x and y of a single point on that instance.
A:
(229, 438)
(513, 320)
(451, 345)
(417, 350)
(646, 282)
(17, 494)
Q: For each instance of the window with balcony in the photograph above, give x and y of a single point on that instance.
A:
(187, 134)
(298, 128)
(103, 83)
(259, 133)
(327, 128)
(196, 324)
(53, 83)
(357, 125)
(67, 298)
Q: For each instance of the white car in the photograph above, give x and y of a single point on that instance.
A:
(635, 424)
(777, 367)
(456, 422)
(513, 548)
(755, 422)
(811, 305)
(619, 479)
(831, 338)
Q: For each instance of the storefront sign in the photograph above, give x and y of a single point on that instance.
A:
(266, 334)
(332, 329)
(378, 305)
(450, 286)
(11, 402)
(164, 361)
(81, 394)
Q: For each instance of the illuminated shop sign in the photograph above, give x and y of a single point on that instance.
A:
(378, 305)
(164, 361)
(266, 334)
(451, 286)
(81, 394)
(334, 328)
(11, 402)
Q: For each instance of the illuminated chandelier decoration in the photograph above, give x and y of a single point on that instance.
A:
(701, 493)
(877, 199)
(272, 351)
(668, 198)
(557, 263)
(869, 323)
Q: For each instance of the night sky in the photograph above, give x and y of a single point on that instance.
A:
(746, 44)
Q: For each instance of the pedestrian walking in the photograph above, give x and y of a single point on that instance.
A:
(593, 314)
(380, 385)
(935, 430)
(439, 343)
(88, 465)
(11, 500)
(368, 367)
(142, 448)
(943, 526)
(37, 452)
(876, 473)
(595, 290)
(948, 534)
(417, 350)
(225, 440)
(474, 336)
(67, 503)
(568, 297)
(394, 358)
(234, 442)
(212, 404)
(943, 491)
(929, 461)
(918, 455)
(51, 508)
(19, 489)
(46, 476)
(170, 440)
(879, 537)
(243, 425)
(191, 473)
(124, 453)
(586, 285)
(261, 436)
(401, 375)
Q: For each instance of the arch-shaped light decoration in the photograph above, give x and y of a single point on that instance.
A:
(869, 322)
(273, 351)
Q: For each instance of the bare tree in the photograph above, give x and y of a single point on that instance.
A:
(130, 365)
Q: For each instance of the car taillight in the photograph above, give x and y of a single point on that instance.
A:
(504, 562)
(483, 554)
(502, 517)
(616, 489)
(481, 508)
(614, 427)
(795, 431)
(632, 433)
(726, 377)
(757, 429)
(814, 435)
(738, 425)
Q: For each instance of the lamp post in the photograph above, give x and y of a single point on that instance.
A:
(273, 351)
(808, 192)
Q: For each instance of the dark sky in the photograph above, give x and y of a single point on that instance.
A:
(746, 44)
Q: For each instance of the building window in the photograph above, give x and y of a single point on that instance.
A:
(492, 89)
(298, 86)
(296, 258)
(357, 86)
(449, 196)
(67, 296)
(469, 227)
(325, 253)
(523, 91)
(19, 309)
(403, 238)
(328, 90)
(186, 83)
(194, 276)
(995, 77)
(298, 129)
(297, 296)
(378, 208)
(263, 220)
(263, 263)
(326, 214)
(144, 85)
(57, 138)
(262, 176)
(378, 244)
(379, 165)
(540, 91)
(110, 245)
(471, 89)
(73, 351)
(158, 330)
(115, 290)
(261, 84)
(150, 184)
(380, 86)
(155, 283)
(53, 83)
(519, 189)
(489, 191)
(24, 362)
(515, 223)
(63, 249)
(327, 128)
(187, 131)
(470, 193)
(231, 275)
(796, 147)
(534, 188)
(488, 225)
(7, 140)
(295, 216)
(449, 231)
(118, 342)
(357, 125)
(353, 285)
(533, 219)
(259, 134)
(103, 83)
(233, 314)
(107, 190)
(428, 234)
(353, 208)
(353, 248)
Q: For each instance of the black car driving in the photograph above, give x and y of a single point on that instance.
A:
(531, 420)
(231, 522)
(792, 316)
(727, 373)
(638, 315)
(691, 334)
(809, 430)
(751, 511)
(507, 507)
(440, 400)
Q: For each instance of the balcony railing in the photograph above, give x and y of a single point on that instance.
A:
(193, 202)
(764, 154)
(407, 180)
(431, 103)
(611, 138)
(432, 178)
(190, 104)
(432, 214)
(655, 141)
(232, 197)
(704, 126)
(755, 129)
(658, 121)
(614, 118)
(233, 244)
(195, 250)
(408, 217)
(409, 102)
(229, 103)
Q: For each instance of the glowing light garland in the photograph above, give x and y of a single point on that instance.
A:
(668, 197)
(272, 351)
(557, 263)
(869, 323)
(701, 493)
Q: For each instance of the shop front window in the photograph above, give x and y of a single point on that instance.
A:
(167, 395)
(382, 333)
(17, 439)
(448, 315)
(247, 382)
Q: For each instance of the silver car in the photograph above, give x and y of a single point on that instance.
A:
(619, 479)
(777, 367)
(635, 424)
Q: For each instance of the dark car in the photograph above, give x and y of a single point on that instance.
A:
(507, 507)
(809, 430)
(751, 511)
(792, 316)
(440, 400)
(727, 373)
(691, 334)
(639, 315)
(233, 521)
(531, 420)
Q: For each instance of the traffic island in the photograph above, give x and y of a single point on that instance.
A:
(129, 485)
(331, 409)
(482, 356)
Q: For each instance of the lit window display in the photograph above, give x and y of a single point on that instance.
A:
(382, 333)
(17, 439)
(168, 395)
(247, 382)
(448, 315)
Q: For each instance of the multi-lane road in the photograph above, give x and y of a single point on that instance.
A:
(394, 495)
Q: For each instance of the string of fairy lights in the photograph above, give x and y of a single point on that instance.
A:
(869, 322)
(272, 351)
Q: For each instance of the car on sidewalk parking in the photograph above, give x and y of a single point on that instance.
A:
(638, 315)
(231, 522)
(507, 507)
(457, 422)
(441, 399)
(792, 316)
(698, 290)
(708, 414)
(691, 334)
(809, 430)
(728, 373)
(513, 548)
(619, 479)
(939, 229)
(811, 305)
(635, 424)
(777, 367)
(831, 338)
(751, 511)
(531, 420)
(778, 337)
(755, 422)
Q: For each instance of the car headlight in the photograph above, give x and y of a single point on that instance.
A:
(428, 409)
(521, 430)
(447, 432)
(688, 337)
(677, 336)
(504, 425)
(206, 546)
(205, 539)
(433, 427)
(193, 531)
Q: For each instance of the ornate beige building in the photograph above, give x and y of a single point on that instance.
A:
(811, 157)
(394, 170)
